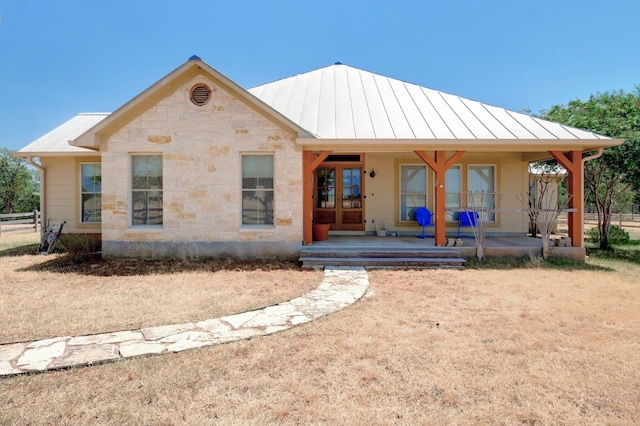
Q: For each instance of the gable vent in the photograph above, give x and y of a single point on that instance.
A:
(200, 94)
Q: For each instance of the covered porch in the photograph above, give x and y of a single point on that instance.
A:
(448, 179)
(410, 251)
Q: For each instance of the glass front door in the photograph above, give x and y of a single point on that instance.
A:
(339, 197)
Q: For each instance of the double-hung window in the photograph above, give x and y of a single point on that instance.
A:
(91, 193)
(257, 189)
(481, 189)
(146, 189)
(453, 188)
(413, 190)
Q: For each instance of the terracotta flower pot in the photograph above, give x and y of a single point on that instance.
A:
(321, 231)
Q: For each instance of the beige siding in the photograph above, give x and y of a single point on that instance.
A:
(383, 190)
(62, 202)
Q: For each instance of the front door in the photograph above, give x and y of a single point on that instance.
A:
(339, 196)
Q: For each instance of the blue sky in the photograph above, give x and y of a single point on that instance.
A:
(58, 58)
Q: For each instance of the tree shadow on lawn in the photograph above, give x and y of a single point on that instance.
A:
(19, 251)
(94, 265)
(535, 262)
(631, 255)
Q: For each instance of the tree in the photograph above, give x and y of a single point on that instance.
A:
(617, 115)
(544, 202)
(19, 188)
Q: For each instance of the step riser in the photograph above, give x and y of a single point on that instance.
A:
(383, 265)
(415, 254)
(388, 258)
(384, 262)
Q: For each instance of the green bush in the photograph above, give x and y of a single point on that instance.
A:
(80, 245)
(617, 236)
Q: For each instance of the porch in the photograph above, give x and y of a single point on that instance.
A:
(410, 251)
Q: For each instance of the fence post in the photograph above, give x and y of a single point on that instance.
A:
(35, 220)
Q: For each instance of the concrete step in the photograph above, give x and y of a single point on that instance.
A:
(373, 253)
(387, 257)
(388, 262)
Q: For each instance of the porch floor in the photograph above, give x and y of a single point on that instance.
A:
(496, 247)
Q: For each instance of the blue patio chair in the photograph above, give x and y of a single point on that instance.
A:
(467, 219)
(423, 216)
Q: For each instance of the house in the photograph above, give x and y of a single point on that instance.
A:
(196, 165)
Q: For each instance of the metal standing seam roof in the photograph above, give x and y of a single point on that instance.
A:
(57, 140)
(342, 102)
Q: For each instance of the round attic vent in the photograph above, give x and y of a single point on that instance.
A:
(200, 94)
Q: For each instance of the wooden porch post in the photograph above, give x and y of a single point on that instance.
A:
(440, 165)
(573, 163)
(309, 165)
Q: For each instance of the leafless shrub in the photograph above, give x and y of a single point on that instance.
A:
(544, 206)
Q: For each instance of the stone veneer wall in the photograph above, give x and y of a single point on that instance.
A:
(201, 148)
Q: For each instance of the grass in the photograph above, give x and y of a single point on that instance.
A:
(532, 343)
(18, 241)
(49, 296)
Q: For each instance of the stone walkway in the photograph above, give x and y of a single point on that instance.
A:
(340, 288)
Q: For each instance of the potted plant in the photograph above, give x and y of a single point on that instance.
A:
(320, 231)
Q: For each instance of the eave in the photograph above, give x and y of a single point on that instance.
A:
(469, 145)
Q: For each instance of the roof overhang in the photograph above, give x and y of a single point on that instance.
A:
(472, 145)
(66, 154)
(93, 137)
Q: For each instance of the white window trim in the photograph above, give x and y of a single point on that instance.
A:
(82, 221)
(400, 166)
(130, 191)
(433, 196)
(495, 186)
(248, 226)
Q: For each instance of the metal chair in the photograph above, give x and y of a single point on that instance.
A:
(423, 216)
(469, 218)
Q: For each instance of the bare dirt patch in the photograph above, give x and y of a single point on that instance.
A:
(518, 346)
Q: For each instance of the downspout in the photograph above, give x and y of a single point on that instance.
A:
(584, 160)
(43, 181)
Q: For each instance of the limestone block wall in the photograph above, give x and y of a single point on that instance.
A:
(201, 147)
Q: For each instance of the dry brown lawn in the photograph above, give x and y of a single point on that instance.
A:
(520, 346)
(48, 296)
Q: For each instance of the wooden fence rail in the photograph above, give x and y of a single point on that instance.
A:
(10, 220)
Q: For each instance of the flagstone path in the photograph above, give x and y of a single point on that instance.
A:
(340, 287)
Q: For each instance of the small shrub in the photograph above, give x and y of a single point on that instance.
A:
(534, 261)
(617, 236)
(80, 245)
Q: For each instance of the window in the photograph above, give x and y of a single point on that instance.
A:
(91, 193)
(453, 188)
(482, 190)
(146, 189)
(257, 190)
(413, 190)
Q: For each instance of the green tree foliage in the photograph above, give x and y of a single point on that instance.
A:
(19, 187)
(617, 115)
